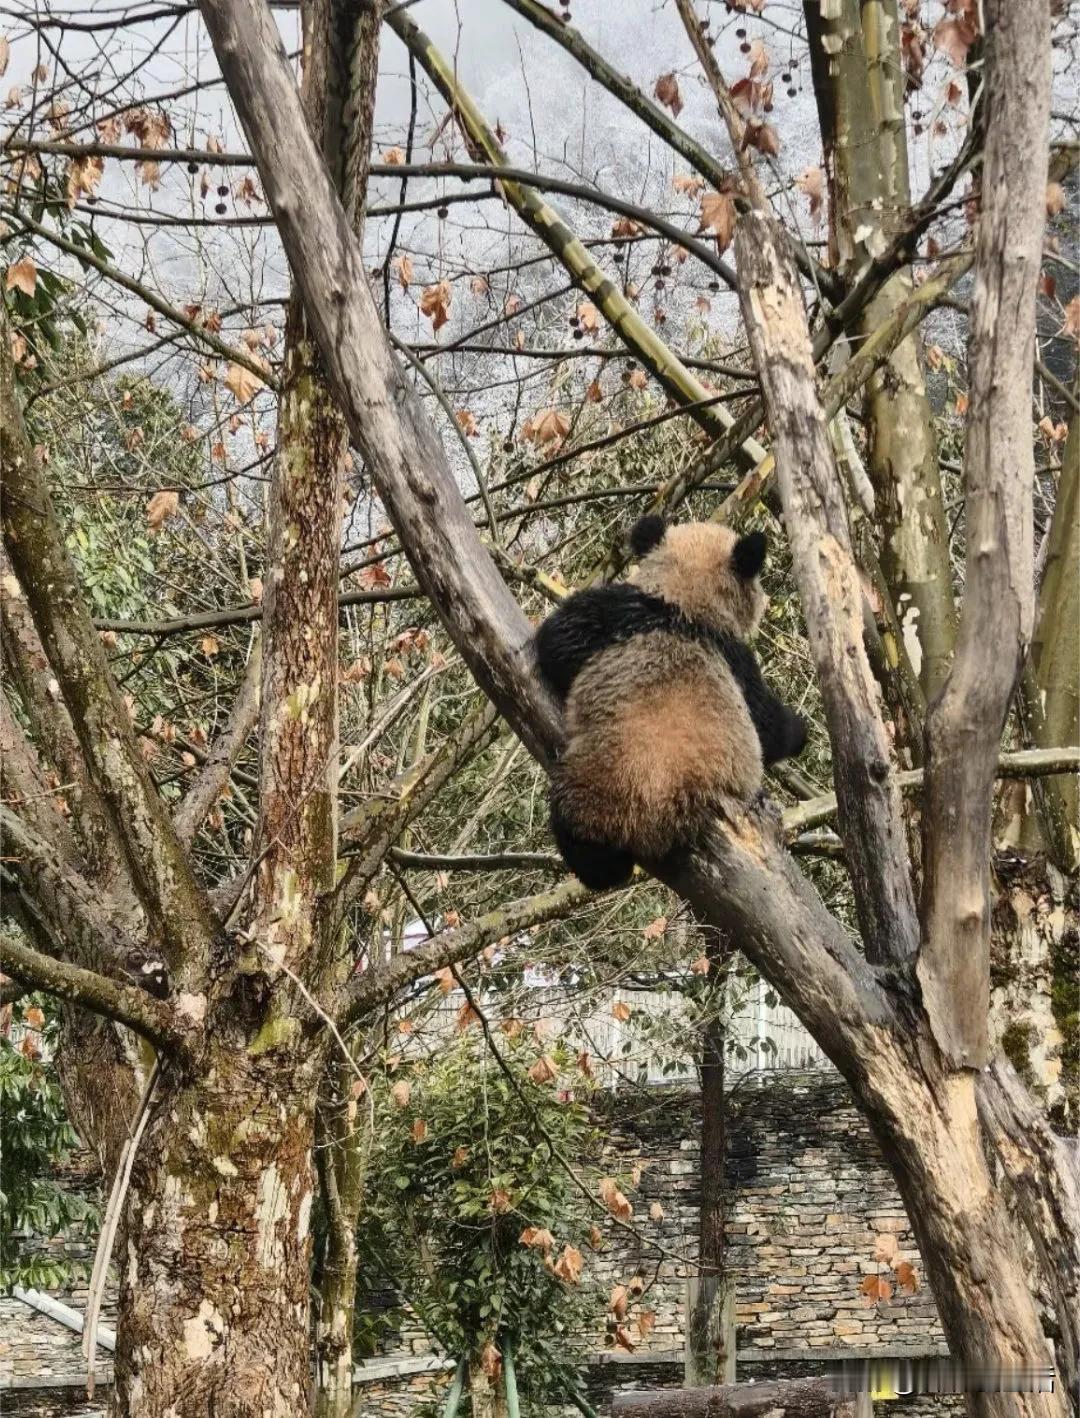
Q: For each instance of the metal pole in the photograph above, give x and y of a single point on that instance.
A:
(457, 1388)
(581, 1405)
(513, 1409)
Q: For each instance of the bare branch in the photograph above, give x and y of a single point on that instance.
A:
(198, 332)
(1027, 763)
(383, 982)
(214, 774)
(552, 229)
(123, 1003)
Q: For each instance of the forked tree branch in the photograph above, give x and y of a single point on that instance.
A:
(175, 905)
(380, 984)
(123, 1003)
(963, 726)
(806, 954)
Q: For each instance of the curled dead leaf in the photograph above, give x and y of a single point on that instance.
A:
(466, 1017)
(161, 507)
(544, 1070)
(242, 383)
(568, 1266)
(401, 1092)
(621, 1011)
(538, 1238)
(22, 276)
(547, 426)
(688, 183)
(588, 317)
(435, 303)
(667, 92)
(614, 1200)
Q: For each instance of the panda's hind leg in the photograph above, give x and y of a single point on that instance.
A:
(597, 865)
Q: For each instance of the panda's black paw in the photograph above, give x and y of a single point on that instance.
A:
(796, 735)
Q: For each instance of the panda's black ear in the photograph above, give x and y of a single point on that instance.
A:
(647, 533)
(749, 555)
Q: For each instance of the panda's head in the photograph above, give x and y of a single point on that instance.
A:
(703, 568)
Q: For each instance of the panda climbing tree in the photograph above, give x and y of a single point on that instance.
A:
(668, 719)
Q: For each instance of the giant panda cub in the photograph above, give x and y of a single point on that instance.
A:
(668, 719)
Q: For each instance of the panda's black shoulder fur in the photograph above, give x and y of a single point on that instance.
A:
(591, 621)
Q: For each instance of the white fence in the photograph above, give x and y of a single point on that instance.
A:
(635, 1035)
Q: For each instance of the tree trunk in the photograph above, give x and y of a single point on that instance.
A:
(858, 85)
(214, 1284)
(1035, 922)
(710, 1339)
(485, 1392)
(341, 1174)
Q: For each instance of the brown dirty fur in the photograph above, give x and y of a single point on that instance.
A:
(692, 569)
(659, 738)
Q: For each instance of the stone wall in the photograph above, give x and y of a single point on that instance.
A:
(809, 1196)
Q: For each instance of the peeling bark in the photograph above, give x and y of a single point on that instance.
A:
(816, 520)
(1050, 688)
(214, 1278)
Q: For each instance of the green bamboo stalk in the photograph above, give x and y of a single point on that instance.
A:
(543, 219)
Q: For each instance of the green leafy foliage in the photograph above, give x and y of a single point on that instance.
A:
(35, 1138)
(472, 1219)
